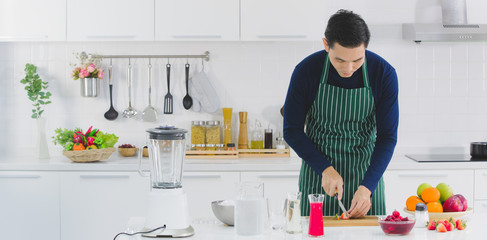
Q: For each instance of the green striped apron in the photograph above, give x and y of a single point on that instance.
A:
(341, 123)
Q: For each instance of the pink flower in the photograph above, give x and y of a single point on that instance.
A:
(91, 67)
(84, 73)
(100, 73)
(81, 75)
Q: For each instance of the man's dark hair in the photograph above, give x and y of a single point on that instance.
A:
(348, 29)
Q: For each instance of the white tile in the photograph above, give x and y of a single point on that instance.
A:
(476, 87)
(476, 52)
(459, 87)
(458, 105)
(442, 53)
(426, 87)
(459, 70)
(476, 69)
(442, 70)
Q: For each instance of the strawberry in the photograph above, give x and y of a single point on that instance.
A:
(460, 225)
(431, 225)
(441, 227)
(344, 216)
(449, 226)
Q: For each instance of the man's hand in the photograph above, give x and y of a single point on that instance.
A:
(360, 202)
(331, 181)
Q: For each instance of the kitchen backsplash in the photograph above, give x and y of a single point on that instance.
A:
(443, 95)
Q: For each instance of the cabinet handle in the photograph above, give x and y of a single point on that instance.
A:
(111, 36)
(281, 36)
(20, 176)
(202, 176)
(423, 175)
(104, 176)
(26, 37)
(279, 176)
(197, 36)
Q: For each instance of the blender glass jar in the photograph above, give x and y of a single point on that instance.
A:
(166, 147)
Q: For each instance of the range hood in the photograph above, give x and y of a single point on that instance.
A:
(454, 27)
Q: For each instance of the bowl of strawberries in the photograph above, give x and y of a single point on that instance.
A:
(395, 224)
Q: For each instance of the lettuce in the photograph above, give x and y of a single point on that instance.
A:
(107, 140)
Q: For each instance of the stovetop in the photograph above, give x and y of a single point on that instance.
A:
(443, 158)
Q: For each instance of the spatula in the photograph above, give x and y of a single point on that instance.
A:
(168, 98)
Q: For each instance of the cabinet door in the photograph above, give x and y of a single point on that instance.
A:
(480, 207)
(276, 184)
(197, 20)
(29, 205)
(203, 188)
(99, 205)
(110, 20)
(400, 184)
(480, 183)
(32, 20)
(283, 19)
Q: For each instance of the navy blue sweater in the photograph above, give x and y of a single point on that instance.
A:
(301, 95)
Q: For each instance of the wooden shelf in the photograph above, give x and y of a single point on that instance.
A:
(240, 153)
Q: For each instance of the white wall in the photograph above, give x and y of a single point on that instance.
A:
(443, 95)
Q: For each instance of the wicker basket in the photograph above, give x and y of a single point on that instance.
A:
(91, 155)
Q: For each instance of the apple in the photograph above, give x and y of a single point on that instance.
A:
(453, 204)
(464, 201)
(445, 191)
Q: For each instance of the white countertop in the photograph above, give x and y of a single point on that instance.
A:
(119, 163)
(218, 231)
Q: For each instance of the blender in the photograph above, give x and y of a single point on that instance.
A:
(167, 201)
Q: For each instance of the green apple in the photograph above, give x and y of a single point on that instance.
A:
(422, 187)
(445, 191)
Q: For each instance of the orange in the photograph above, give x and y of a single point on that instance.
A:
(430, 195)
(434, 207)
(412, 201)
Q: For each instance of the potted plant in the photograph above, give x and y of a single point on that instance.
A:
(89, 72)
(38, 94)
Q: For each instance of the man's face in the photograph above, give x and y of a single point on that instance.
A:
(345, 60)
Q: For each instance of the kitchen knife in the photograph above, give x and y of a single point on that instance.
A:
(341, 205)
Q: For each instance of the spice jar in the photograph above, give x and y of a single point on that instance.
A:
(197, 132)
(213, 132)
(421, 215)
(220, 147)
(231, 147)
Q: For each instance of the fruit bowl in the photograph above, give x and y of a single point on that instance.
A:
(127, 152)
(396, 228)
(91, 155)
(443, 215)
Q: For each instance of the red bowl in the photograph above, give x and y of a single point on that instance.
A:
(396, 228)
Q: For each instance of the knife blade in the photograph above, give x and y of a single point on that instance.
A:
(341, 205)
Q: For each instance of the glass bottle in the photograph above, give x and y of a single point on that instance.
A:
(257, 140)
(316, 215)
(293, 213)
(227, 125)
(268, 138)
(280, 142)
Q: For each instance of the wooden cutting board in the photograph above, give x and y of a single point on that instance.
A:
(329, 221)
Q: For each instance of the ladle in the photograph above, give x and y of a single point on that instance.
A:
(187, 100)
(111, 114)
(149, 114)
(130, 111)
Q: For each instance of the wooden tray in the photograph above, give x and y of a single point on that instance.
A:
(263, 153)
(211, 154)
(329, 221)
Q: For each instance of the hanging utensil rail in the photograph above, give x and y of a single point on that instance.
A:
(205, 56)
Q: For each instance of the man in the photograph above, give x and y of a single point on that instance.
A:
(347, 96)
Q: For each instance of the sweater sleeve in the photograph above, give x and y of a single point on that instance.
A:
(300, 97)
(387, 118)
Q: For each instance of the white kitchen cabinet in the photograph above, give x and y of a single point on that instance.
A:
(98, 205)
(32, 20)
(203, 188)
(283, 20)
(110, 20)
(480, 207)
(29, 205)
(197, 20)
(276, 184)
(481, 184)
(400, 184)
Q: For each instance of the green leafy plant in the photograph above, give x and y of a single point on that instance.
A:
(36, 90)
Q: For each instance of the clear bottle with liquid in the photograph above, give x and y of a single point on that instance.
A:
(268, 138)
(257, 139)
(280, 142)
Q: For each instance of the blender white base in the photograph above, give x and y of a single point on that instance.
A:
(168, 207)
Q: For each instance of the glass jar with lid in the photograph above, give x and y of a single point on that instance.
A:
(197, 132)
(213, 133)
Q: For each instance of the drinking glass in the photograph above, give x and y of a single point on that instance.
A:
(275, 210)
(293, 213)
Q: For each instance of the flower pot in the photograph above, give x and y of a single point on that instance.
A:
(90, 87)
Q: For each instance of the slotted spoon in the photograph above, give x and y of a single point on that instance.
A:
(168, 98)
(129, 112)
